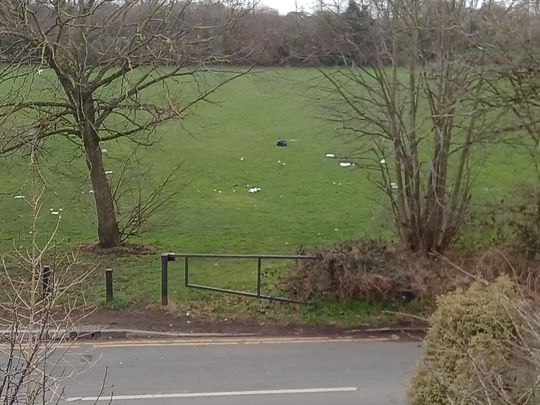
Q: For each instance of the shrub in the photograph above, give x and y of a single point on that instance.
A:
(361, 269)
(374, 271)
(481, 348)
(527, 225)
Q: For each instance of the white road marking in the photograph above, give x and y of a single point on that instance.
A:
(215, 394)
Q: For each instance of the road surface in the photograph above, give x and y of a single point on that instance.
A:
(242, 372)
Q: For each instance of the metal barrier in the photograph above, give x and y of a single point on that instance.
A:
(169, 257)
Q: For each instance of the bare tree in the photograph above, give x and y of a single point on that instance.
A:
(418, 110)
(38, 320)
(94, 71)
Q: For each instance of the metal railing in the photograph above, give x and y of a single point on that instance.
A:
(169, 257)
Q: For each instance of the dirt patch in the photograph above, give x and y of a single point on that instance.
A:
(161, 320)
(127, 249)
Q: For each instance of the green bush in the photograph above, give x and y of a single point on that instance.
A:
(478, 350)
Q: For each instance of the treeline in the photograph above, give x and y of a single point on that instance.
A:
(223, 32)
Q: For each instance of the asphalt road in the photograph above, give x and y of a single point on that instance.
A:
(299, 372)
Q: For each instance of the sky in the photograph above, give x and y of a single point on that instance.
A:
(285, 6)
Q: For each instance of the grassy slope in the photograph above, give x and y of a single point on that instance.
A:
(306, 199)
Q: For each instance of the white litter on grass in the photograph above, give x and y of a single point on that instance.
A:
(104, 150)
(20, 197)
(254, 190)
(345, 164)
(108, 171)
(393, 185)
(91, 191)
(383, 161)
(242, 158)
(55, 213)
(279, 161)
(330, 155)
(40, 71)
(284, 163)
(220, 191)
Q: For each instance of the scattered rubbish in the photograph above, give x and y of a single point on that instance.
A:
(40, 71)
(286, 243)
(383, 161)
(108, 171)
(345, 164)
(242, 158)
(20, 197)
(393, 185)
(91, 191)
(334, 183)
(279, 161)
(254, 190)
(219, 191)
(284, 163)
(103, 150)
(330, 155)
(55, 213)
(281, 142)
(336, 229)
(339, 184)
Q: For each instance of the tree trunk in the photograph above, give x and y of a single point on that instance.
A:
(108, 230)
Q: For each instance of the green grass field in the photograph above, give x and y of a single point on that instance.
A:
(226, 147)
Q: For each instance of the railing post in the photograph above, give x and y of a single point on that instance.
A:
(46, 281)
(108, 285)
(165, 259)
(186, 271)
(259, 275)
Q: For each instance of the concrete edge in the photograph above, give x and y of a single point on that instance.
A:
(96, 333)
(105, 333)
